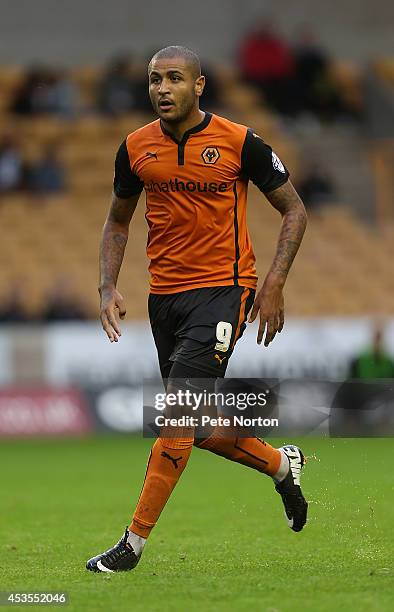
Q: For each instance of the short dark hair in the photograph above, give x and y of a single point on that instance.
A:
(188, 55)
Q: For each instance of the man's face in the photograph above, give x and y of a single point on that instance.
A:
(174, 89)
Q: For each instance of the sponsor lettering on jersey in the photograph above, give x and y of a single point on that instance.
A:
(177, 185)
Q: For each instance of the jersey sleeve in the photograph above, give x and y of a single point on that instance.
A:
(126, 183)
(261, 165)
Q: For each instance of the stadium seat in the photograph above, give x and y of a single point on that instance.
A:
(59, 235)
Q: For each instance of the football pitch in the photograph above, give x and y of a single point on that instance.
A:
(222, 542)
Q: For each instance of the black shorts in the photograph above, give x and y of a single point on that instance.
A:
(199, 328)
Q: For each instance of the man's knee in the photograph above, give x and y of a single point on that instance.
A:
(194, 387)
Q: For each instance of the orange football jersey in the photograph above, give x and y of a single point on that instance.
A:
(196, 195)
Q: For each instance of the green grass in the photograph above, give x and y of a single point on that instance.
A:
(221, 544)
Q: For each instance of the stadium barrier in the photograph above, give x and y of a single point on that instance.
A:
(291, 407)
(71, 381)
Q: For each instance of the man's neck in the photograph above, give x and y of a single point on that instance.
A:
(177, 130)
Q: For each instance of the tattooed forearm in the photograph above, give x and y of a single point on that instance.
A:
(288, 203)
(114, 239)
(112, 247)
(293, 227)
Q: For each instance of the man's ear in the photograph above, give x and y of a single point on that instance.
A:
(199, 85)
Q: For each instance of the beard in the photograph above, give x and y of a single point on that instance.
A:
(181, 111)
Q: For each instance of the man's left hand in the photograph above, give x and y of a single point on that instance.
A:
(269, 303)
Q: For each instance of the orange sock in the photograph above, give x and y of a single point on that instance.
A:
(253, 452)
(167, 460)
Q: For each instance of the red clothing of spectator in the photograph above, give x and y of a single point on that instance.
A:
(264, 56)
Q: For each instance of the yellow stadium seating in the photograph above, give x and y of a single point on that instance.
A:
(343, 268)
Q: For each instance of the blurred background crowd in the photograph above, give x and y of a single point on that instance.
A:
(327, 113)
(60, 128)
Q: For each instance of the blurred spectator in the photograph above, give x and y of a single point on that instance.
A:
(316, 188)
(210, 97)
(65, 96)
(45, 91)
(62, 304)
(28, 96)
(47, 174)
(12, 167)
(12, 309)
(362, 408)
(373, 362)
(122, 89)
(316, 91)
(267, 62)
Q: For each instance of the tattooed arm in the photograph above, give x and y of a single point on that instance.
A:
(112, 247)
(269, 300)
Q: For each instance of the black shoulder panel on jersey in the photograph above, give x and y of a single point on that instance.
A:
(126, 183)
(260, 164)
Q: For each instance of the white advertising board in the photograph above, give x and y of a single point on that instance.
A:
(312, 348)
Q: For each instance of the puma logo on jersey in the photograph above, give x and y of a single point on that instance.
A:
(150, 154)
(173, 459)
(220, 359)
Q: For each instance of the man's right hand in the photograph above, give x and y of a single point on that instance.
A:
(111, 300)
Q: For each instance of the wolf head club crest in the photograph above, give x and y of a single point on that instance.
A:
(210, 155)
